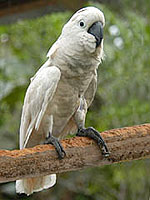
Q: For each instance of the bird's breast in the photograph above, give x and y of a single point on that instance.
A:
(66, 100)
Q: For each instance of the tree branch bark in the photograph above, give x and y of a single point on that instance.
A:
(129, 143)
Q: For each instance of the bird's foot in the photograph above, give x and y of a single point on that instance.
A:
(95, 135)
(55, 142)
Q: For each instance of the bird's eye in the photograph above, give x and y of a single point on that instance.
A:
(82, 24)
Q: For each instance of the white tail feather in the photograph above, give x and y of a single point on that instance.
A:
(30, 185)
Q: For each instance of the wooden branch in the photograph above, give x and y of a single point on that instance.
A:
(125, 144)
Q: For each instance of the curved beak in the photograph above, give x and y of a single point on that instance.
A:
(97, 31)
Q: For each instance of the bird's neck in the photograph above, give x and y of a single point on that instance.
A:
(76, 63)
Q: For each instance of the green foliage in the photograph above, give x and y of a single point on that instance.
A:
(124, 84)
(122, 99)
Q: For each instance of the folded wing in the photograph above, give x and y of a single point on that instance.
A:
(39, 94)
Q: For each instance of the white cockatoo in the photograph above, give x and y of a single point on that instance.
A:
(59, 94)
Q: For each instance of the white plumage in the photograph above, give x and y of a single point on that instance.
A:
(63, 88)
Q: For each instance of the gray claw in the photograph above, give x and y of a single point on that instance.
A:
(55, 142)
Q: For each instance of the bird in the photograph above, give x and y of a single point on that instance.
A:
(62, 90)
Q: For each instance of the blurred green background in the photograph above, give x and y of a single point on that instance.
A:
(122, 98)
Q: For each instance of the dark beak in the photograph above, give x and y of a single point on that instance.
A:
(97, 31)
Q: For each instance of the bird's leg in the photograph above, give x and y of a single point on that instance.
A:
(55, 142)
(95, 135)
(88, 132)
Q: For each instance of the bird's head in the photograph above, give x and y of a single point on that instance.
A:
(84, 31)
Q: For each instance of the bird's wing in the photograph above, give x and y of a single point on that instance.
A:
(39, 94)
(91, 90)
